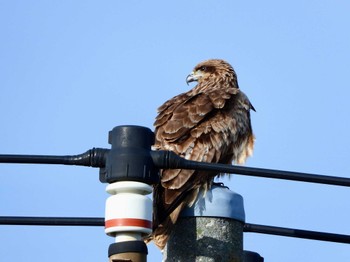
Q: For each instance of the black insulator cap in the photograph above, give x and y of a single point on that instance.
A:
(136, 246)
(130, 156)
(249, 256)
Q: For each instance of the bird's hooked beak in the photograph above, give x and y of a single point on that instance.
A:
(194, 76)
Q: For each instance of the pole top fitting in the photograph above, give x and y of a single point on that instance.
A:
(130, 156)
(219, 201)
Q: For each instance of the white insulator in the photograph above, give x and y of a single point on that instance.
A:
(128, 210)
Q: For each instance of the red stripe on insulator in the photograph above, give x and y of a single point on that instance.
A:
(128, 222)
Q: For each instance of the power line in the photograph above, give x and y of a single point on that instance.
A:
(298, 233)
(51, 221)
(168, 159)
(96, 157)
(248, 228)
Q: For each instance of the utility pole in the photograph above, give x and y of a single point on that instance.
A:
(211, 230)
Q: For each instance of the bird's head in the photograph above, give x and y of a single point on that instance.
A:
(213, 70)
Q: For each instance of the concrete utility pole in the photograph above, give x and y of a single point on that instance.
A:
(212, 230)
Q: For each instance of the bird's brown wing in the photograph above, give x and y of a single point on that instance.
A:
(195, 128)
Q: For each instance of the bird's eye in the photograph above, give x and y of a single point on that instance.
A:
(203, 68)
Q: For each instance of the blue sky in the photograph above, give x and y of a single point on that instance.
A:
(72, 70)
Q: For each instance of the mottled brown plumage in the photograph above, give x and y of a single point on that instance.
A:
(209, 123)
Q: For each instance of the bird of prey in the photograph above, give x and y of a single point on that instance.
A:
(209, 123)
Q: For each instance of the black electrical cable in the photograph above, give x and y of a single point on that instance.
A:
(51, 221)
(297, 233)
(95, 157)
(248, 228)
(168, 159)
